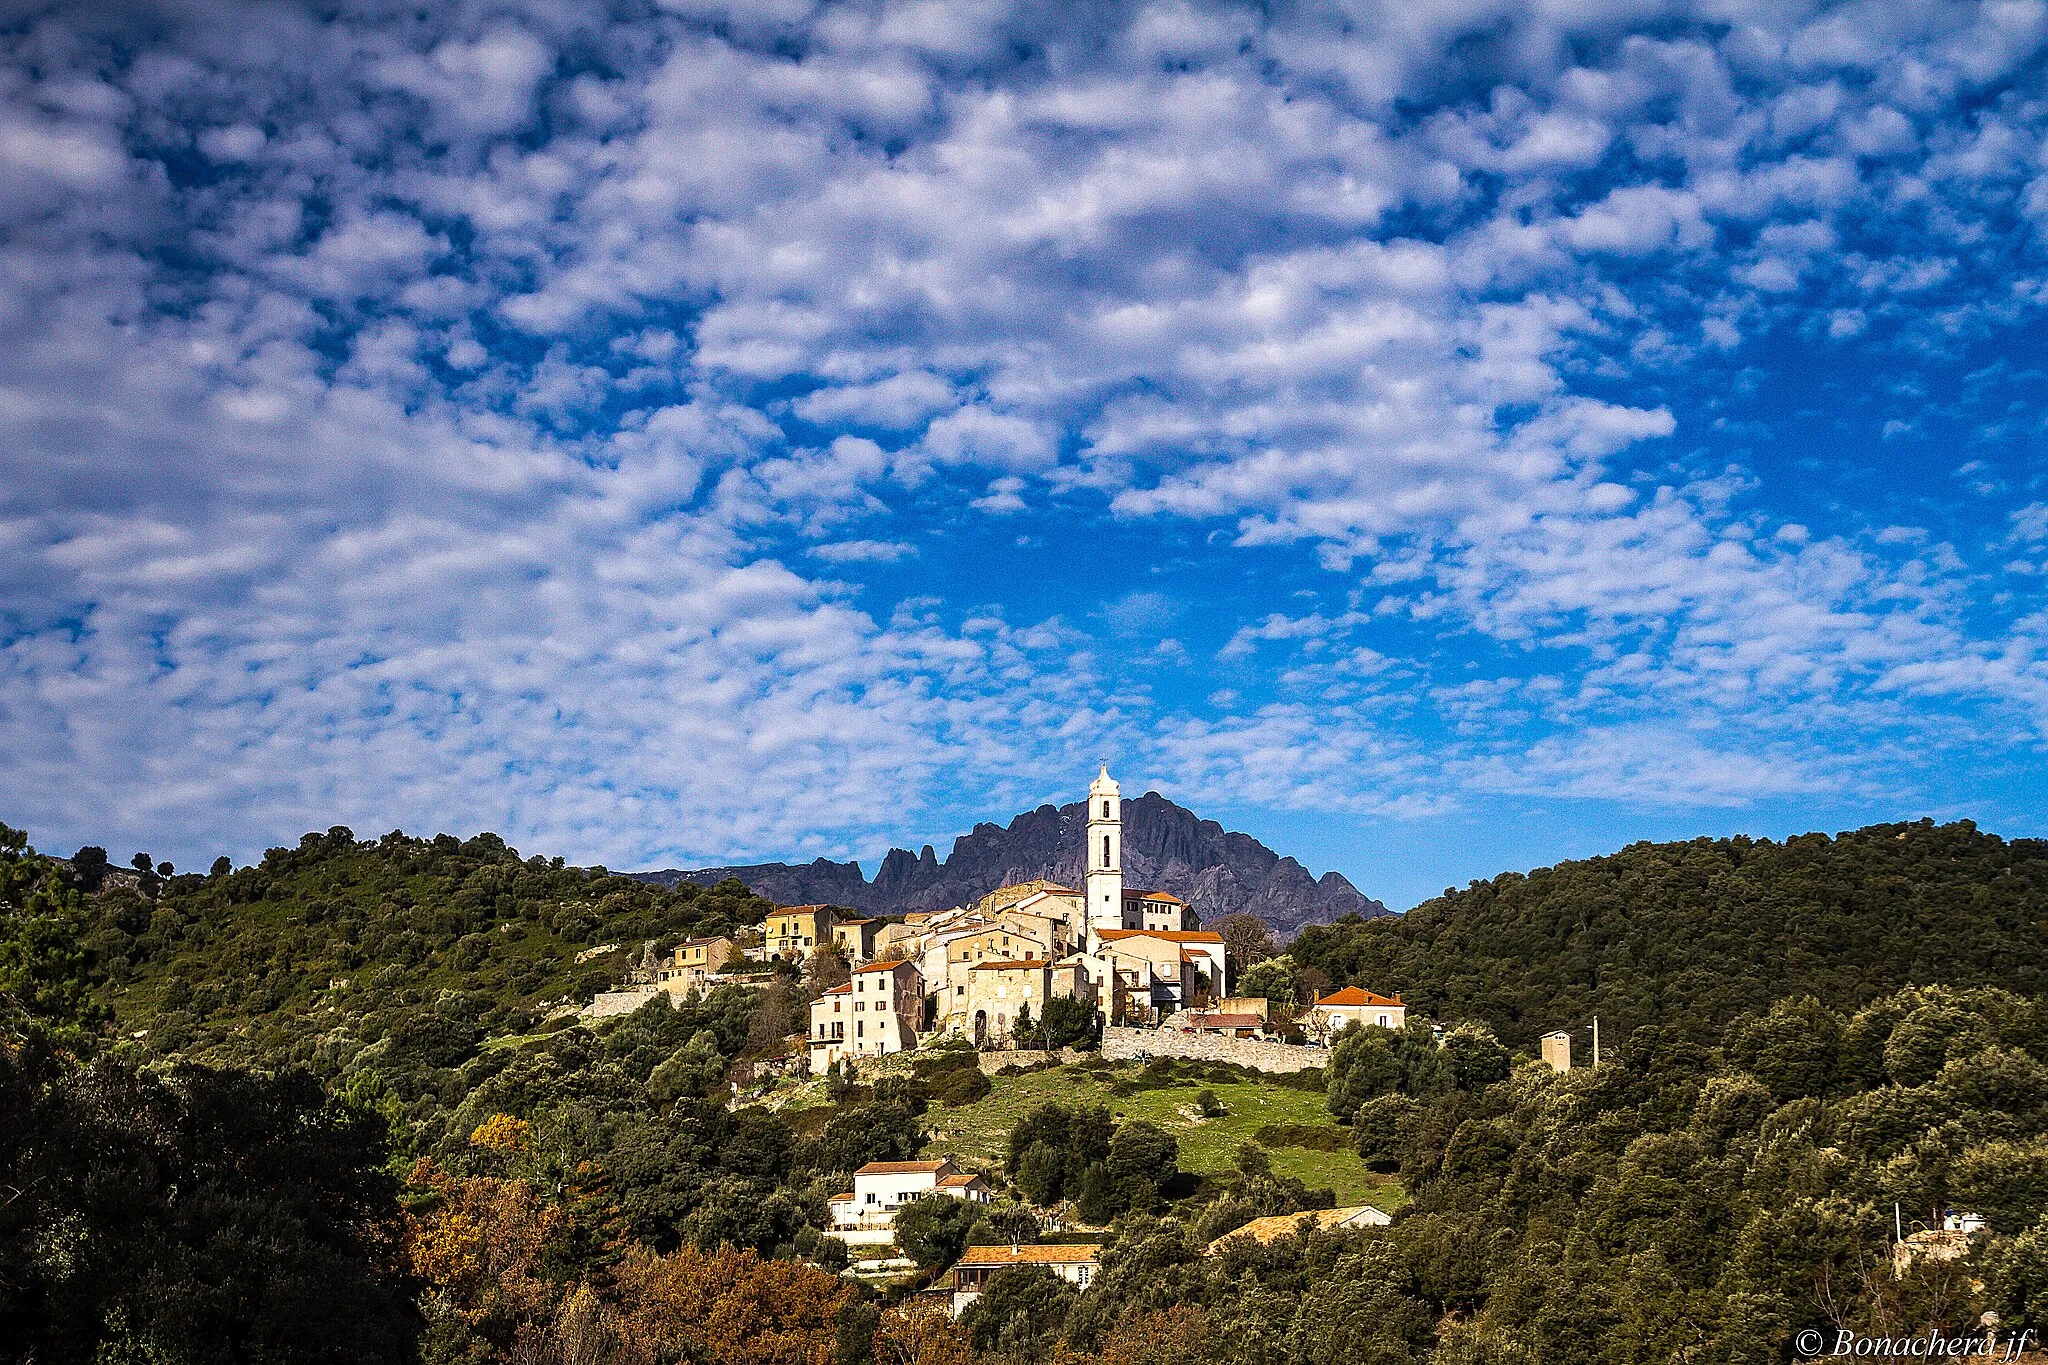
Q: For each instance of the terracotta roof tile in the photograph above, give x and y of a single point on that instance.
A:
(903, 1167)
(1031, 1255)
(1266, 1231)
(1352, 995)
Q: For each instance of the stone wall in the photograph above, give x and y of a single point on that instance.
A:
(992, 1062)
(609, 1003)
(1124, 1044)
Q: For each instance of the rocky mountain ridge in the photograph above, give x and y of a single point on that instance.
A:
(1166, 848)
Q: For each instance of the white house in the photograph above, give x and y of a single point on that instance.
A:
(1077, 1265)
(866, 1214)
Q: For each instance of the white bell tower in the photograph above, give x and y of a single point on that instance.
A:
(1104, 855)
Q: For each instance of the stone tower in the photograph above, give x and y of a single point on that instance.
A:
(1557, 1050)
(1103, 857)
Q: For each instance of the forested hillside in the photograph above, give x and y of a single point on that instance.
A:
(321, 1109)
(320, 950)
(1690, 935)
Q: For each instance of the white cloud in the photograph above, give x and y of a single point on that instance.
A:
(291, 523)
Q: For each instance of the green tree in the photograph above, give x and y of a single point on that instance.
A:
(193, 1216)
(1363, 1066)
(933, 1230)
(1270, 979)
(1019, 1312)
(1052, 1145)
(1069, 1021)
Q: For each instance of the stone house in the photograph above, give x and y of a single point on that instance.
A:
(796, 931)
(1353, 1005)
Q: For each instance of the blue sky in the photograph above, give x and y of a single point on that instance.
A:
(1434, 438)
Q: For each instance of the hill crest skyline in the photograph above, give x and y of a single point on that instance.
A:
(1166, 847)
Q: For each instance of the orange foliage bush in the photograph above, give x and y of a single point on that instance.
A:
(919, 1335)
(501, 1133)
(477, 1244)
(730, 1306)
(1169, 1338)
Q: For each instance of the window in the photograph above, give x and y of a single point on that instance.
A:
(1105, 850)
(860, 1028)
(1105, 808)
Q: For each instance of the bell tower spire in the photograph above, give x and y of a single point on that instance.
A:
(1103, 855)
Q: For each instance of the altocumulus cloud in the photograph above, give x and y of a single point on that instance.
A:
(501, 416)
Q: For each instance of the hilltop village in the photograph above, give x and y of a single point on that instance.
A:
(1032, 965)
(1023, 966)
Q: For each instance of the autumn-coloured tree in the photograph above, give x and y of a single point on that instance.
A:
(730, 1306)
(1169, 1338)
(501, 1133)
(477, 1244)
(916, 1334)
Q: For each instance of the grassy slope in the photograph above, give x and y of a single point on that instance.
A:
(977, 1133)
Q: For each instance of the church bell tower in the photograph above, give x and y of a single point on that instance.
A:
(1104, 855)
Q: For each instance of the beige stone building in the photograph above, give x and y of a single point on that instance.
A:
(1154, 910)
(1557, 1050)
(796, 931)
(1340, 1009)
(995, 993)
(875, 1013)
(859, 939)
(1166, 970)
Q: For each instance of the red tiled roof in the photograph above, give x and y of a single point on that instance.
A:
(954, 1182)
(891, 965)
(1031, 1255)
(1006, 966)
(903, 1167)
(1168, 935)
(1353, 995)
(840, 989)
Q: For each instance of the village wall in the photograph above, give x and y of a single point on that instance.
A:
(992, 1062)
(1124, 1044)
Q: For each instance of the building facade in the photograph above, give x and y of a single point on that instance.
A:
(1078, 1265)
(796, 931)
(1352, 1005)
(866, 1214)
(1103, 855)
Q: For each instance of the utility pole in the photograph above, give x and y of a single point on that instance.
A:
(1596, 1041)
